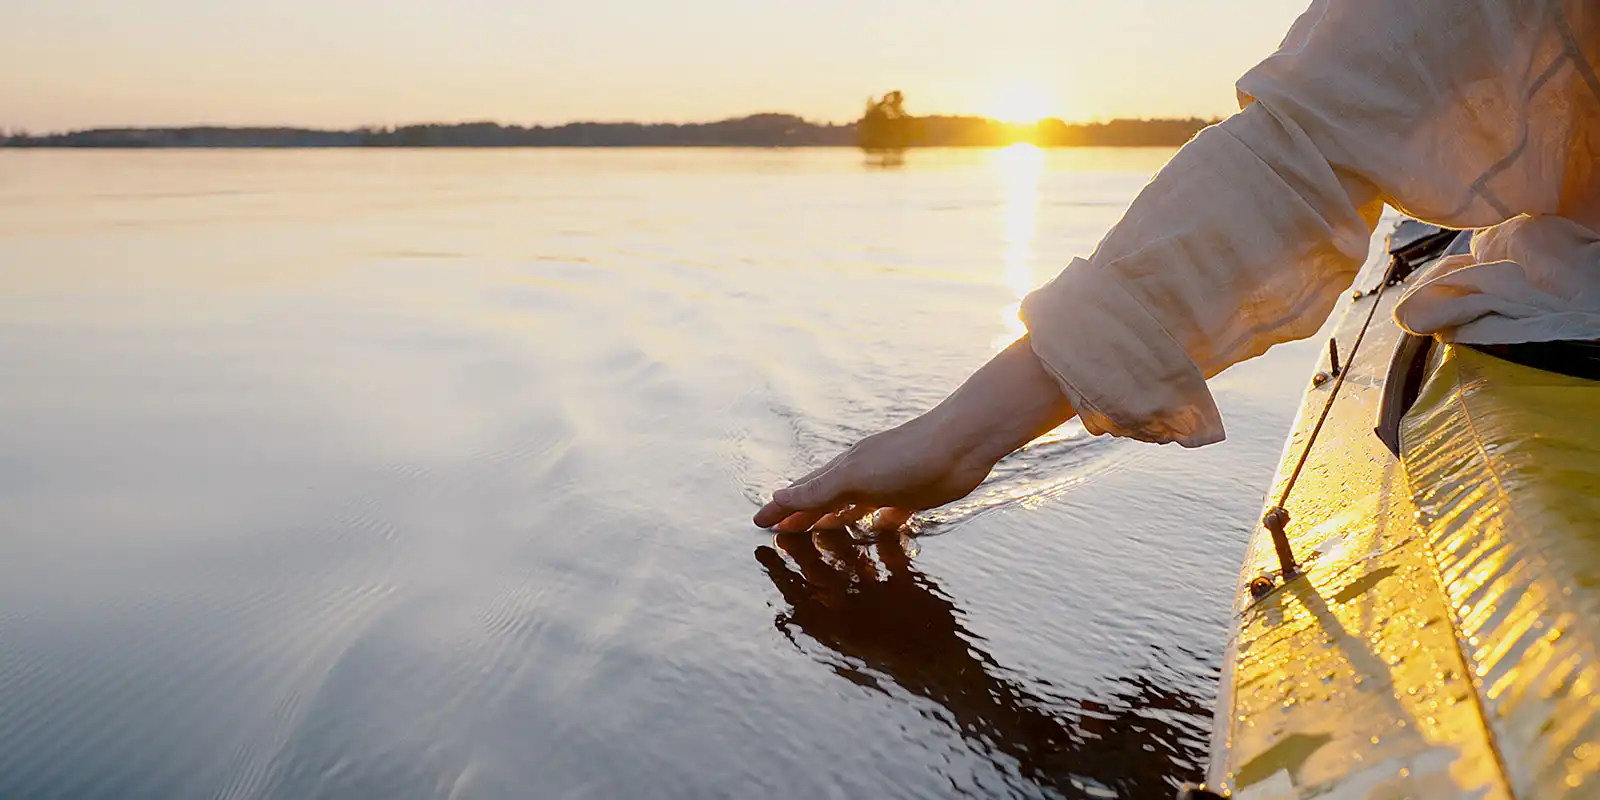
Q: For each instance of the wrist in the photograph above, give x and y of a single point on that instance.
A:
(964, 436)
(1005, 405)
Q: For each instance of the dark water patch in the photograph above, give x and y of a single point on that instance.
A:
(864, 611)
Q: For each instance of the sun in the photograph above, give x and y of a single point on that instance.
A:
(1020, 102)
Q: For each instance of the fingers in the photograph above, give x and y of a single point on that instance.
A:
(839, 520)
(822, 492)
(798, 522)
(822, 500)
(888, 520)
(883, 520)
(783, 504)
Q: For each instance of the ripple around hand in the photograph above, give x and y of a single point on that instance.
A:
(769, 440)
(1052, 466)
(759, 433)
(1049, 467)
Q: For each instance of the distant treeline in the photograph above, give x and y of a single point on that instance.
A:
(760, 130)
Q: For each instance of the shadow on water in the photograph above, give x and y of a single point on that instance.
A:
(879, 619)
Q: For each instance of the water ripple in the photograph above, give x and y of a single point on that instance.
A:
(429, 474)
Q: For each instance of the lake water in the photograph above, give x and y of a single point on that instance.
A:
(429, 474)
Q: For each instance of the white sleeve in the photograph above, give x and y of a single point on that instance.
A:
(1249, 235)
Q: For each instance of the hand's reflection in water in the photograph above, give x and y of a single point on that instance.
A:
(881, 618)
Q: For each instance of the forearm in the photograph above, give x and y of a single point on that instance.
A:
(934, 459)
(1007, 403)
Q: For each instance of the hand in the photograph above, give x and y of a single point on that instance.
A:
(888, 475)
(934, 459)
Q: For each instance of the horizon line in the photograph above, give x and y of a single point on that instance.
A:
(26, 132)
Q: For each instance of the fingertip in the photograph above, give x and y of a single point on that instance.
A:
(770, 515)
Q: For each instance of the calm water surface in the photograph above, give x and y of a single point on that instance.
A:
(428, 474)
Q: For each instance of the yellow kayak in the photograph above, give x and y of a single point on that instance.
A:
(1440, 634)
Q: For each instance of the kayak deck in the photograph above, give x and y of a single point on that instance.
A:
(1441, 639)
(1347, 681)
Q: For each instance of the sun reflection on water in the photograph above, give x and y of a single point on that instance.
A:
(1020, 167)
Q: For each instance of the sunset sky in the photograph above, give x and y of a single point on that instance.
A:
(79, 63)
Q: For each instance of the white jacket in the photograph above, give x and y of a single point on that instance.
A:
(1464, 113)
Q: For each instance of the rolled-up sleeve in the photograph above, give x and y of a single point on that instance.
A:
(1245, 239)
(1250, 234)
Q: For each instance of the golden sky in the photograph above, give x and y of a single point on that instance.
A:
(79, 63)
